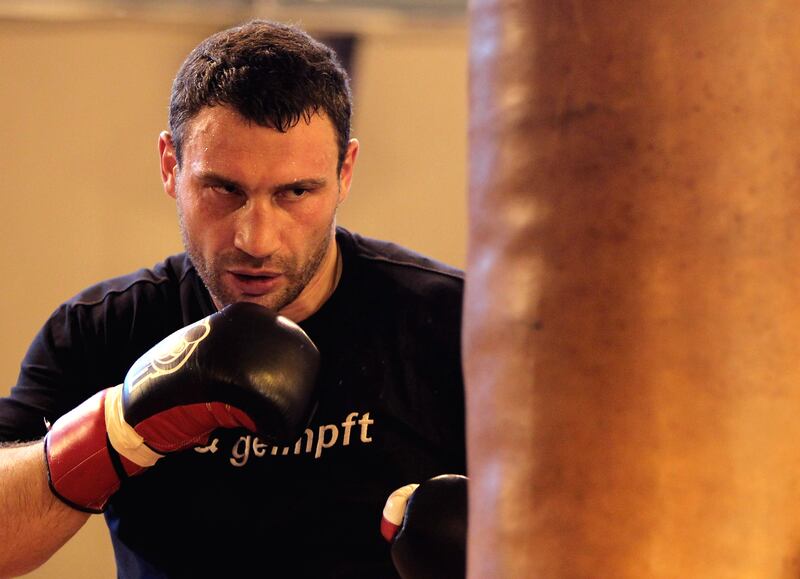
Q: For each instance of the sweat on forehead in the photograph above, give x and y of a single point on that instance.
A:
(219, 127)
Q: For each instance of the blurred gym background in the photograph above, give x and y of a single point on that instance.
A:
(84, 87)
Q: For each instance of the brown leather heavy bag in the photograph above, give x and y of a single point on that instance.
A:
(632, 327)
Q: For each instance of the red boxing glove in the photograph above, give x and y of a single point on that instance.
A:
(427, 526)
(240, 367)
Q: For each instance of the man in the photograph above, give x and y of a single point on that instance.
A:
(258, 158)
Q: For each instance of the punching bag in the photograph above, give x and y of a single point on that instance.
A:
(632, 318)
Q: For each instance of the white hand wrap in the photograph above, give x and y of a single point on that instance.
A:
(395, 510)
(124, 439)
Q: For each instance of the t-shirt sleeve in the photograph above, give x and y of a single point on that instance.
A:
(55, 376)
(91, 340)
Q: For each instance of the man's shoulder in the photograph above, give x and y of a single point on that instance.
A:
(124, 315)
(399, 263)
(163, 278)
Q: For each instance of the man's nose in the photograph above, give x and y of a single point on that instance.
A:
(258, 228)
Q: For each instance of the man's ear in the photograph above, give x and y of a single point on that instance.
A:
(169, 162)
(346, 173)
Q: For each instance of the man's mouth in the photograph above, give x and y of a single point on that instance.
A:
(255, 283)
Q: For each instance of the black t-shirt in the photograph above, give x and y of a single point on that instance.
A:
(391, 411)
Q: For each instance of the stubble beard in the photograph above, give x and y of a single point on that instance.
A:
(211, 270)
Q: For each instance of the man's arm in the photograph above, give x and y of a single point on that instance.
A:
(194, 381)
(35, 524)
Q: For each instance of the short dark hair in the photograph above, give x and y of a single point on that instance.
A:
(272, 74)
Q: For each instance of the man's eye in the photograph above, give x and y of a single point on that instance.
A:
(225, 189)
(294, 194)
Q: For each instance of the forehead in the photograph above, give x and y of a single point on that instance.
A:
(219, 138)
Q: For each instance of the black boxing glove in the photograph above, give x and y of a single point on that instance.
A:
(427, 526)
(240, 367)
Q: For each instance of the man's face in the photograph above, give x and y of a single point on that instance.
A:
(257, 207)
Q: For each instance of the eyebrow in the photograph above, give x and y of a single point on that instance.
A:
(310, 183)
(307, 183)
